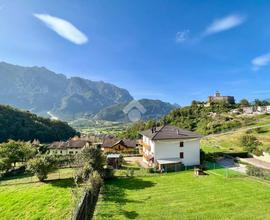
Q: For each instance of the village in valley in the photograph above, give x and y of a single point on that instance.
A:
(109, 169)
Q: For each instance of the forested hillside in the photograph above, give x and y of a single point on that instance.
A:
(22, 125)
(154, 109)
(197, 117)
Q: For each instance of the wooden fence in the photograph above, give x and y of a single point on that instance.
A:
(86, 207)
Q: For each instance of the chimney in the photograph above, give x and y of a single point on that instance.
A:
(154, 130)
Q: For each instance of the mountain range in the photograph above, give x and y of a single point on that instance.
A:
(47, 93)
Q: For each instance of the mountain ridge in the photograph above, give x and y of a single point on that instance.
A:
(41, 90)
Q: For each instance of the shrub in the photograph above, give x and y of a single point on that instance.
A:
(82, 174)
(95, 181)
(258, 172)
(108, 172)
(151, 170)
(16, 151)
(130, 172)
(5, 164)
(259, 130)
(251, 144)
(91, 156)
(41, 166)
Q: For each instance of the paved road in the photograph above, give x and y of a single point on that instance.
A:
(230, 164)
(257, 163)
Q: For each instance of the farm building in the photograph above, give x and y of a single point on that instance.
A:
(114, 145)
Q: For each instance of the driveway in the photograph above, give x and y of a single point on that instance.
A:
(138, 160)
(230, 164)
(257, 163)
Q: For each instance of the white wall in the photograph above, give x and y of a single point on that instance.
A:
(171, 149)
(149, 142)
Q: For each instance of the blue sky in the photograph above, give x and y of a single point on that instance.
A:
(172, 50)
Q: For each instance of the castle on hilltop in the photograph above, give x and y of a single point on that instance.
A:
(219, 98)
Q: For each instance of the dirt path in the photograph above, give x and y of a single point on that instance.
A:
(139, 160)
(234, 130)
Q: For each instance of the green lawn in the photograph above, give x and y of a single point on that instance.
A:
(26, 198)
(184, 196)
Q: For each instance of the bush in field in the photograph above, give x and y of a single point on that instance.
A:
(82, 173)
(12, 152)
(5, 164)
(251, 144)
(108, 172)
(260, 130)
(244, 103)
(258, 172)
(254, 171)
(17, 151)
(93, 156)
(95, 181)
(41, 166)
(90, 159)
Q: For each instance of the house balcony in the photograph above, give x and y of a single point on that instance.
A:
(144, 145)
(148, 156)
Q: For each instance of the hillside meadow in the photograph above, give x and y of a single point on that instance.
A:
(230, 141)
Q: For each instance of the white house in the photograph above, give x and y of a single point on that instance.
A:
(170, 145)
(249, 109)
(70, 147)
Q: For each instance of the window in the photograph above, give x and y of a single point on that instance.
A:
(181, 155)
(70, 152)
(181, 144)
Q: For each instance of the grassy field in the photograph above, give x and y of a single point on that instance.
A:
(184, 196)
(26, 198)
(230, 142)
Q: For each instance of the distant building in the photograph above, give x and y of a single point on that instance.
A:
(70, 147)
(114, 145)
(249, 109)
(262, 109)
(219, 98)
(256, 109)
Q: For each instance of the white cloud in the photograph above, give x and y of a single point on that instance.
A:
(224, 24)
(181, 36)
(260, 61)
(64, 28)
